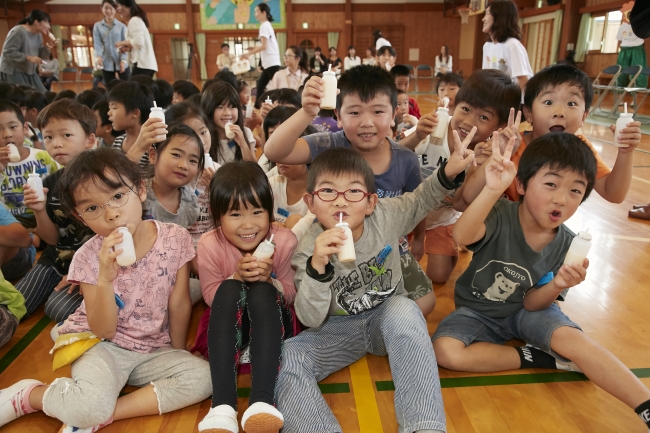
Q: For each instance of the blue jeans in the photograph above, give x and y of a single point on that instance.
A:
(395, 328)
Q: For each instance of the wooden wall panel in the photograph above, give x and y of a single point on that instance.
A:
(601, 2)
(332, 21)
(594, 63)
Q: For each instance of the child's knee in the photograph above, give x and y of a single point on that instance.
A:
(427, 303)
(566, 339)
(449, 352)
(76, 407)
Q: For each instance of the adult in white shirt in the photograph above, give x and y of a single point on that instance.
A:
(138, 42)
(370, 58)
(351, 60)
(269, 47)
(504, 51)
(632, 53)
(443, 62)
(294, 75)
(379, 40)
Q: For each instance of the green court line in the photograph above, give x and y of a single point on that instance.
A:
(13, 353)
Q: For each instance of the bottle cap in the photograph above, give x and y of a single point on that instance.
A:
(626, 115)
(329, 73)
(443, 109)
(585, 235)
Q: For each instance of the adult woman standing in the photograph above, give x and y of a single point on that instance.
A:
(269, 47)
(107, 33)
(379, 39)
(23, 51)
(504, 51)
(443, 61)
(137, 42)
(293, 76)
(351, 60)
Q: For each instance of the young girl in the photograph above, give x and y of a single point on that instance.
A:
(176, 163)
(249, 303)
(145, 316)
(370, 58)
(220, 103)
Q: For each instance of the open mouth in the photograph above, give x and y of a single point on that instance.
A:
(248, 238)
(464, 132)
(556, 128)
(555, 215)
(367, 135)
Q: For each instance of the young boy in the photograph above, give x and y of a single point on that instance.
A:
(448, 85)
(510, 289)
(68, 129)
(360, 307)
(365, 109)
(36, 101)
(403, 119)
(402, 77)
(183, 90)
(14, 174)
(558, 99)
(104, 133)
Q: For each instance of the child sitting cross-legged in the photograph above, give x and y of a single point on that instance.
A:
(361, 306)
(510, 289)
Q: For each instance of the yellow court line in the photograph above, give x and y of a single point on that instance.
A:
(364, 397)
(640, 179)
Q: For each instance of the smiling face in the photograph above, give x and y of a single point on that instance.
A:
(64, 139)
(332, 53)
(366, 124)
(223, 113)
(466, 117)
(487, 21)
(245, 227)
(449, 90)
(42, 26)
(108, 11)
(556, 109)
(11, 129)
(178, 163)
(551, 197)
(124, 12)
(328, 213)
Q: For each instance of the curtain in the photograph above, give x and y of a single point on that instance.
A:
(282, 45)
(60, 55)
(581, 46)
(155, 75)
(557, 32)
(200, 45)
(332, 41)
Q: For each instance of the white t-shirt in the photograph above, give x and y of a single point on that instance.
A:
(627, 36)
(431, 156)
(351, 63)
(228, 151)
(510, 57)
(281, 208)
(270, 56)
(381, 42)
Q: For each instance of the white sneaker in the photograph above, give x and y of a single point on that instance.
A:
(10, 400)
(262, 418)
(567, 366)
(220, 419)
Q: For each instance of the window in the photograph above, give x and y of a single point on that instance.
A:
(238, 47)
(78, 46)
(602, 32)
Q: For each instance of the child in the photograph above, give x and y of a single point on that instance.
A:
(147, 330)
(36, 101)
(220, 103)
(244, 92)
(361, 307)
(249, 296)
(129, 104)
(403, 120)
(365, 109)
(482, 103)
(68, 130)
(558, 99)
(105, 133)
(12, 308)
(402, 76)
(176, 162)
(14, 174)
(448, 85)
(386, 57)
(516, 275)
(183, 90)
(16, 251)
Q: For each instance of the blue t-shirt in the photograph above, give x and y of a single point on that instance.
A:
(6, 217)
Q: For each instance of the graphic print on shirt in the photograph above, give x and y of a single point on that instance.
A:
(499, 281)
(497, 63)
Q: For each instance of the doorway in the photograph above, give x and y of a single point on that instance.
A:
(180, 56)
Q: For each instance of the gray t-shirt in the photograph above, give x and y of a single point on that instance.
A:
(376, 274)
(187, 212)
(19, 44)
(504, 267)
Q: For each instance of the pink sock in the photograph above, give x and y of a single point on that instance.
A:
(24, 401)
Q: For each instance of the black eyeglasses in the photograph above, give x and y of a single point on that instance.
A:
(351, 195)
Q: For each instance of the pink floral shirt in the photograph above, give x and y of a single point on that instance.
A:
(144, 288)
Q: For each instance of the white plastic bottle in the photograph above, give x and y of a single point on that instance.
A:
(439, 132)
(579, 248)
(209, 163)
(127, 257)
(14, 155)
(158, 112)
(36, 183)
(347, 253)
(329, 91)
(230, 134)
(265, 249)
(621, 123)
(249, 110)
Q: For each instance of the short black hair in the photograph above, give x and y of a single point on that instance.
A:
(388, 48)
(165, 93)
(277, 116)
(184, 111)
(65, 94)
(287, 96)
(225, 45)
(555, 75)
(49, 95)
(102, 108)
(400, 71)
(490, 88)
(106, 168)
(69, 109)
(89, 98)
(180, 129)
(366, 82)
(339, 161)
(228, 77)
(450, 78)
(558, 151)
(150, 83)
(9, 107)
(185, 88)
(36, 100)
(14, 94)
(133, 95)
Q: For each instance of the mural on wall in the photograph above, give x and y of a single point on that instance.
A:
(238, 14)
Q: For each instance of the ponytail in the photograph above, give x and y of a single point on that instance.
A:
(263, 7)
(35, 15)
(303, 63)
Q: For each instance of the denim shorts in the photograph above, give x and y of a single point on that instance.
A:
(19, 265)
(533, 327)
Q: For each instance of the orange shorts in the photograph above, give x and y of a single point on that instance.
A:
(439, 241)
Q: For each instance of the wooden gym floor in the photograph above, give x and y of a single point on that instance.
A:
(611, 306)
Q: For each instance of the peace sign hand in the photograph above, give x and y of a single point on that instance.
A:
(512, 130)
(499, 170)
(462, 156)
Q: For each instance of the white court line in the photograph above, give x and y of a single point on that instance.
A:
(640, 179)
(626, 238)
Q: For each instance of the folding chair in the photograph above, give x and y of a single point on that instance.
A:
(634, 71)
(424, 72)
(645, 93)
(614, 71)
(85, 76)
(67, 76)
(412, 71)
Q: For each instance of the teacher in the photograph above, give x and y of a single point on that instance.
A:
(269, 48)
(138, 42)
(23, 51)
(107, 33)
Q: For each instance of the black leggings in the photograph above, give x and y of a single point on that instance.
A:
(242, 313)
(266, 76)
(109, 76)
(140, 71)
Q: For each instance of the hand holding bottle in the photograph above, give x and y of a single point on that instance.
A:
(571, 275)
(32, 199)
(108, 266)
(327, 243)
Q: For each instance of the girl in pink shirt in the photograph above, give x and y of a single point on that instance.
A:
(140, 312)
(249, 296)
